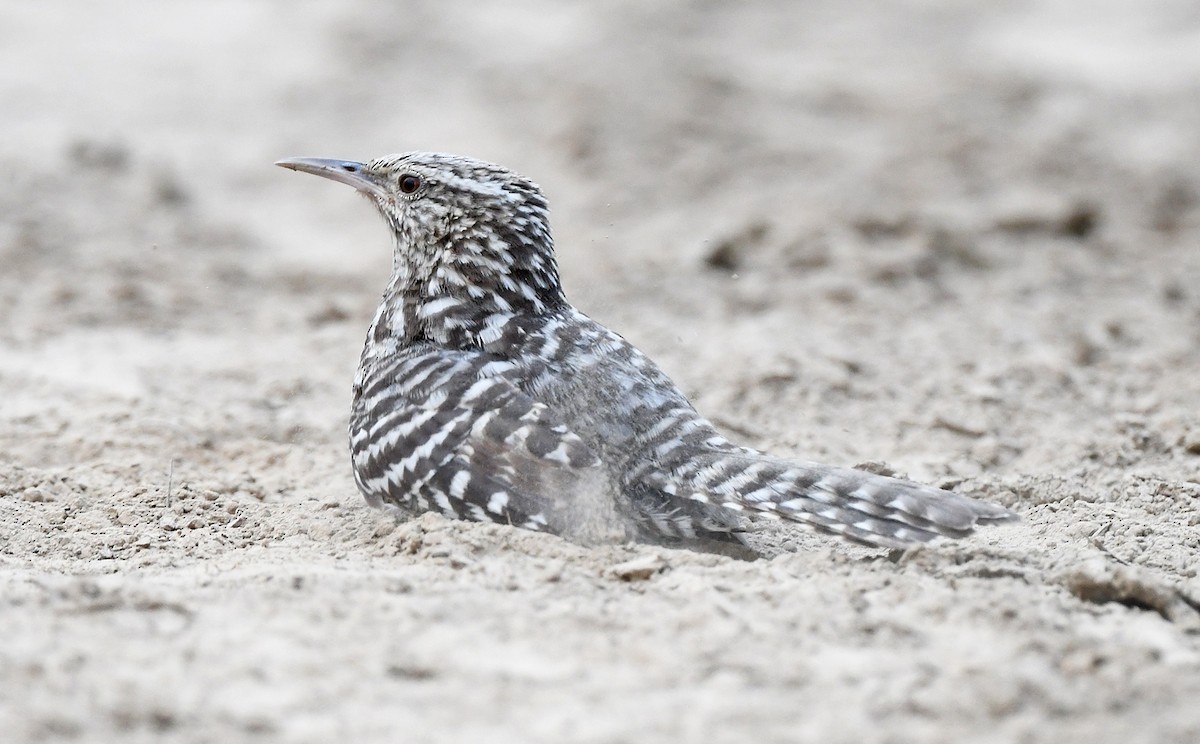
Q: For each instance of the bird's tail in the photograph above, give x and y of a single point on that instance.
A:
(863, 507)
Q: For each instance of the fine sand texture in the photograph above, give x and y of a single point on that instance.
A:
(955, 241)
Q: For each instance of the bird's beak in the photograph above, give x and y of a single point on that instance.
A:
(348, 172)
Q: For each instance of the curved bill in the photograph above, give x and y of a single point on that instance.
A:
(349, 172)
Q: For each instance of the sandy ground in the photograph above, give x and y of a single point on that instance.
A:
(956, 240)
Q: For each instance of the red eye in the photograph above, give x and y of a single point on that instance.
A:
(409, 183)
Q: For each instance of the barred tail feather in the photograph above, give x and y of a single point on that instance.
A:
(860, 506)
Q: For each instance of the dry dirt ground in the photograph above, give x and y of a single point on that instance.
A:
(959, 240)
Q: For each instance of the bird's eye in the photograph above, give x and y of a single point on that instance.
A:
(409, 183)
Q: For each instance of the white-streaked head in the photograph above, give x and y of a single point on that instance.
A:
(463, 227)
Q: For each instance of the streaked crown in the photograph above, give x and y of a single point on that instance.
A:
(464, 228)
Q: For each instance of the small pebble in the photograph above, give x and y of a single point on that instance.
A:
(638, 569)
(1191, 442)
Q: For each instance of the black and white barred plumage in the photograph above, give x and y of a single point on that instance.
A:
(483, 394)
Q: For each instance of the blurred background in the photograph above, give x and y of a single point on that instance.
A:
(795, 188)
(958, 236)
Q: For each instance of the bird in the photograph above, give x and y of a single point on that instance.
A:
(483, 394)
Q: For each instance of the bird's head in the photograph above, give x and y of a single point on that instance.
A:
(464, 228)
